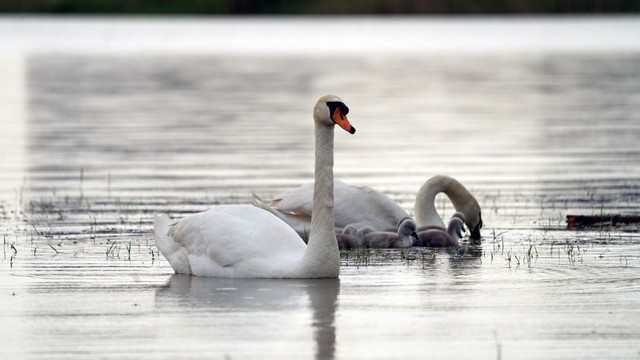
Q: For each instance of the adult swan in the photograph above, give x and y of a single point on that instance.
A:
(244, 241)
(365, 206)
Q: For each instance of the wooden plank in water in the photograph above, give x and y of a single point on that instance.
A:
(583, 221)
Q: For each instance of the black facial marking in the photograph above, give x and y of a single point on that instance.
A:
(339, 105)
(475, 232)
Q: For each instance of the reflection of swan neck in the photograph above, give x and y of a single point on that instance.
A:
(322, 254)
(323, 295)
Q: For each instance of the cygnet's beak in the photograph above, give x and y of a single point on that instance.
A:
(459, 234)
(341, 120)
(414, 235)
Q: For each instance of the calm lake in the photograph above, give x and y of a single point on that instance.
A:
(106, 121)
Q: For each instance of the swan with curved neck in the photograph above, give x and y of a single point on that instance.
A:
(248, 242)
(461, 198)
(365, 206)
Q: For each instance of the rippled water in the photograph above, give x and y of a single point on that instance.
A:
(94, 144)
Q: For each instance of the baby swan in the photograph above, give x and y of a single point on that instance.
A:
(456, 214)
(364, 231)
(347, 237)
(440, 238)
(405, 236)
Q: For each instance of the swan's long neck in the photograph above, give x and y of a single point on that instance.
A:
(322, 257)
(461, 198)
(425, 209)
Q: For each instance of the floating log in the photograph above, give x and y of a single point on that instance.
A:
(583, 221)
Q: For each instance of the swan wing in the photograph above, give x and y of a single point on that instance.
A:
(299, 201)
(364, 206)
(360, 206)
(237, 241)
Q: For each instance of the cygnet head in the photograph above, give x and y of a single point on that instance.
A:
(459, 215)
(350, 230)
(407, 231)
(455, 228)
(364, 231)
(330, 110)
(473, 218)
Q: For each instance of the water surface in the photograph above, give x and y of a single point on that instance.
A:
(94, 143)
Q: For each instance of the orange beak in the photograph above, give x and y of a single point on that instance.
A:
(342, 121)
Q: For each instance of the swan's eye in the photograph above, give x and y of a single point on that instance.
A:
(337, 105)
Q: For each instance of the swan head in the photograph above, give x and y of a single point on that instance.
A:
(455, 228)
(330, 110)
(475, 230)
(407, 231)
(469, 211)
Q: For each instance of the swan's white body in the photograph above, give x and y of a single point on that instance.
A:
(365, 206)
(247, 242)
(230, 241)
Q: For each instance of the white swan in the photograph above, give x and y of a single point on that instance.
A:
(405, 236)
(461, 198)
(365, 206)
(244, 241)
(440, 238)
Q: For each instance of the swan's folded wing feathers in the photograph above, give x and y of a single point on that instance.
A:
(366, 206)
(230, 240)
(233, 236)
(296, 201)
(299, 201)
(358, 205)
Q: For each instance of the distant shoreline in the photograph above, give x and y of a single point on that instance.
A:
(317, 7)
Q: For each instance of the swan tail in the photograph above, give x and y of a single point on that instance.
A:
(299, 222)
(174, 252)
(260, 203)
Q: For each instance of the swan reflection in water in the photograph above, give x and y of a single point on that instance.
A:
(211, 296)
